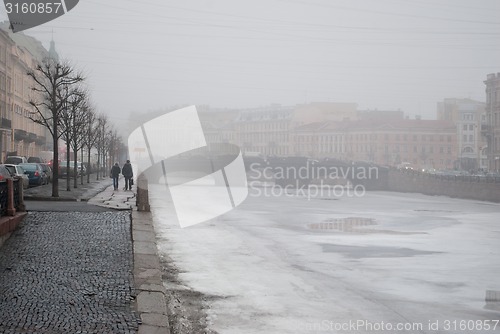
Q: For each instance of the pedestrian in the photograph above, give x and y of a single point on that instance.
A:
(128, 174)
(115, 173)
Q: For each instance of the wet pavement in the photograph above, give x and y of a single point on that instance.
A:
(68, 272)
(68, 267)
(82, 192)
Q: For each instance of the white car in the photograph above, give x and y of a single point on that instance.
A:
(18, 171)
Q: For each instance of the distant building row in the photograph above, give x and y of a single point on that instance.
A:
(339, 130)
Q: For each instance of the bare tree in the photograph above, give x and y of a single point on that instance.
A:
(90, 136)
(73, 121)
(50, 81)
(102, 128)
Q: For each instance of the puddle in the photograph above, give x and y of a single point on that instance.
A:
(425, 210)
(492, 300)
(353, 225)
(342, 224)
(358, 252)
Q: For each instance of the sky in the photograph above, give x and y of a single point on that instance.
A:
(141, 56)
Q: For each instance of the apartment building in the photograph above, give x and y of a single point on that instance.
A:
(267, 130)
(19, 134)
(491, 128)
(423, 143)
(468, 116)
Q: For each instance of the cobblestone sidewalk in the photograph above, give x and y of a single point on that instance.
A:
(68, 272)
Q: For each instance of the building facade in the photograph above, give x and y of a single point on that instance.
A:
(425, 144)
(268, 130)
(19, 134)
(468, 116)
(491, 128)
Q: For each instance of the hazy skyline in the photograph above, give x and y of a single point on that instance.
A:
(386, 54)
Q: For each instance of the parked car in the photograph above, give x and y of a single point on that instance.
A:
(63, 171)
(48, 172)
(35, 173)
(15, 160)
(4, 173)
(18, 171)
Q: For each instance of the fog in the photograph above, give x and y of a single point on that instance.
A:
(387, 54)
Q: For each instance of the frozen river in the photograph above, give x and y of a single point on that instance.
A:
(383, 262)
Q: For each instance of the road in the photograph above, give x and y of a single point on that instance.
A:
(387, 262)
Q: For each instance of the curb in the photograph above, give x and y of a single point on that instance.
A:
(8, 224)
(151, 301)
(54, 199)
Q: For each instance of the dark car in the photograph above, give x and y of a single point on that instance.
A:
(36, 159)
(35, 173)
(48, 172)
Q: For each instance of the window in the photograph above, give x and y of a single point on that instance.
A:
(2, 81)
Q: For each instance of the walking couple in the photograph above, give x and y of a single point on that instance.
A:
(127, 173)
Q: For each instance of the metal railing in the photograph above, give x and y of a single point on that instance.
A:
(450, 177)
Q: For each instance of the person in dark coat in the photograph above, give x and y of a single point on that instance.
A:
(115, 173)
(128, 174)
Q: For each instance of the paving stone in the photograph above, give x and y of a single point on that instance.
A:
(68, 272)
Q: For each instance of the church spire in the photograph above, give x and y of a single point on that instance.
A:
(52, 51)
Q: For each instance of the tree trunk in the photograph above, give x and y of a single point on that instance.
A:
(88, 164)
(98, 162)
(81, 159)
(75, 169)
(55, 166)
(68, 179)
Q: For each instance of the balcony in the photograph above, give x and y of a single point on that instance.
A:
(20, 134)
(5, 123)
(40, 140)
(31, 137)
